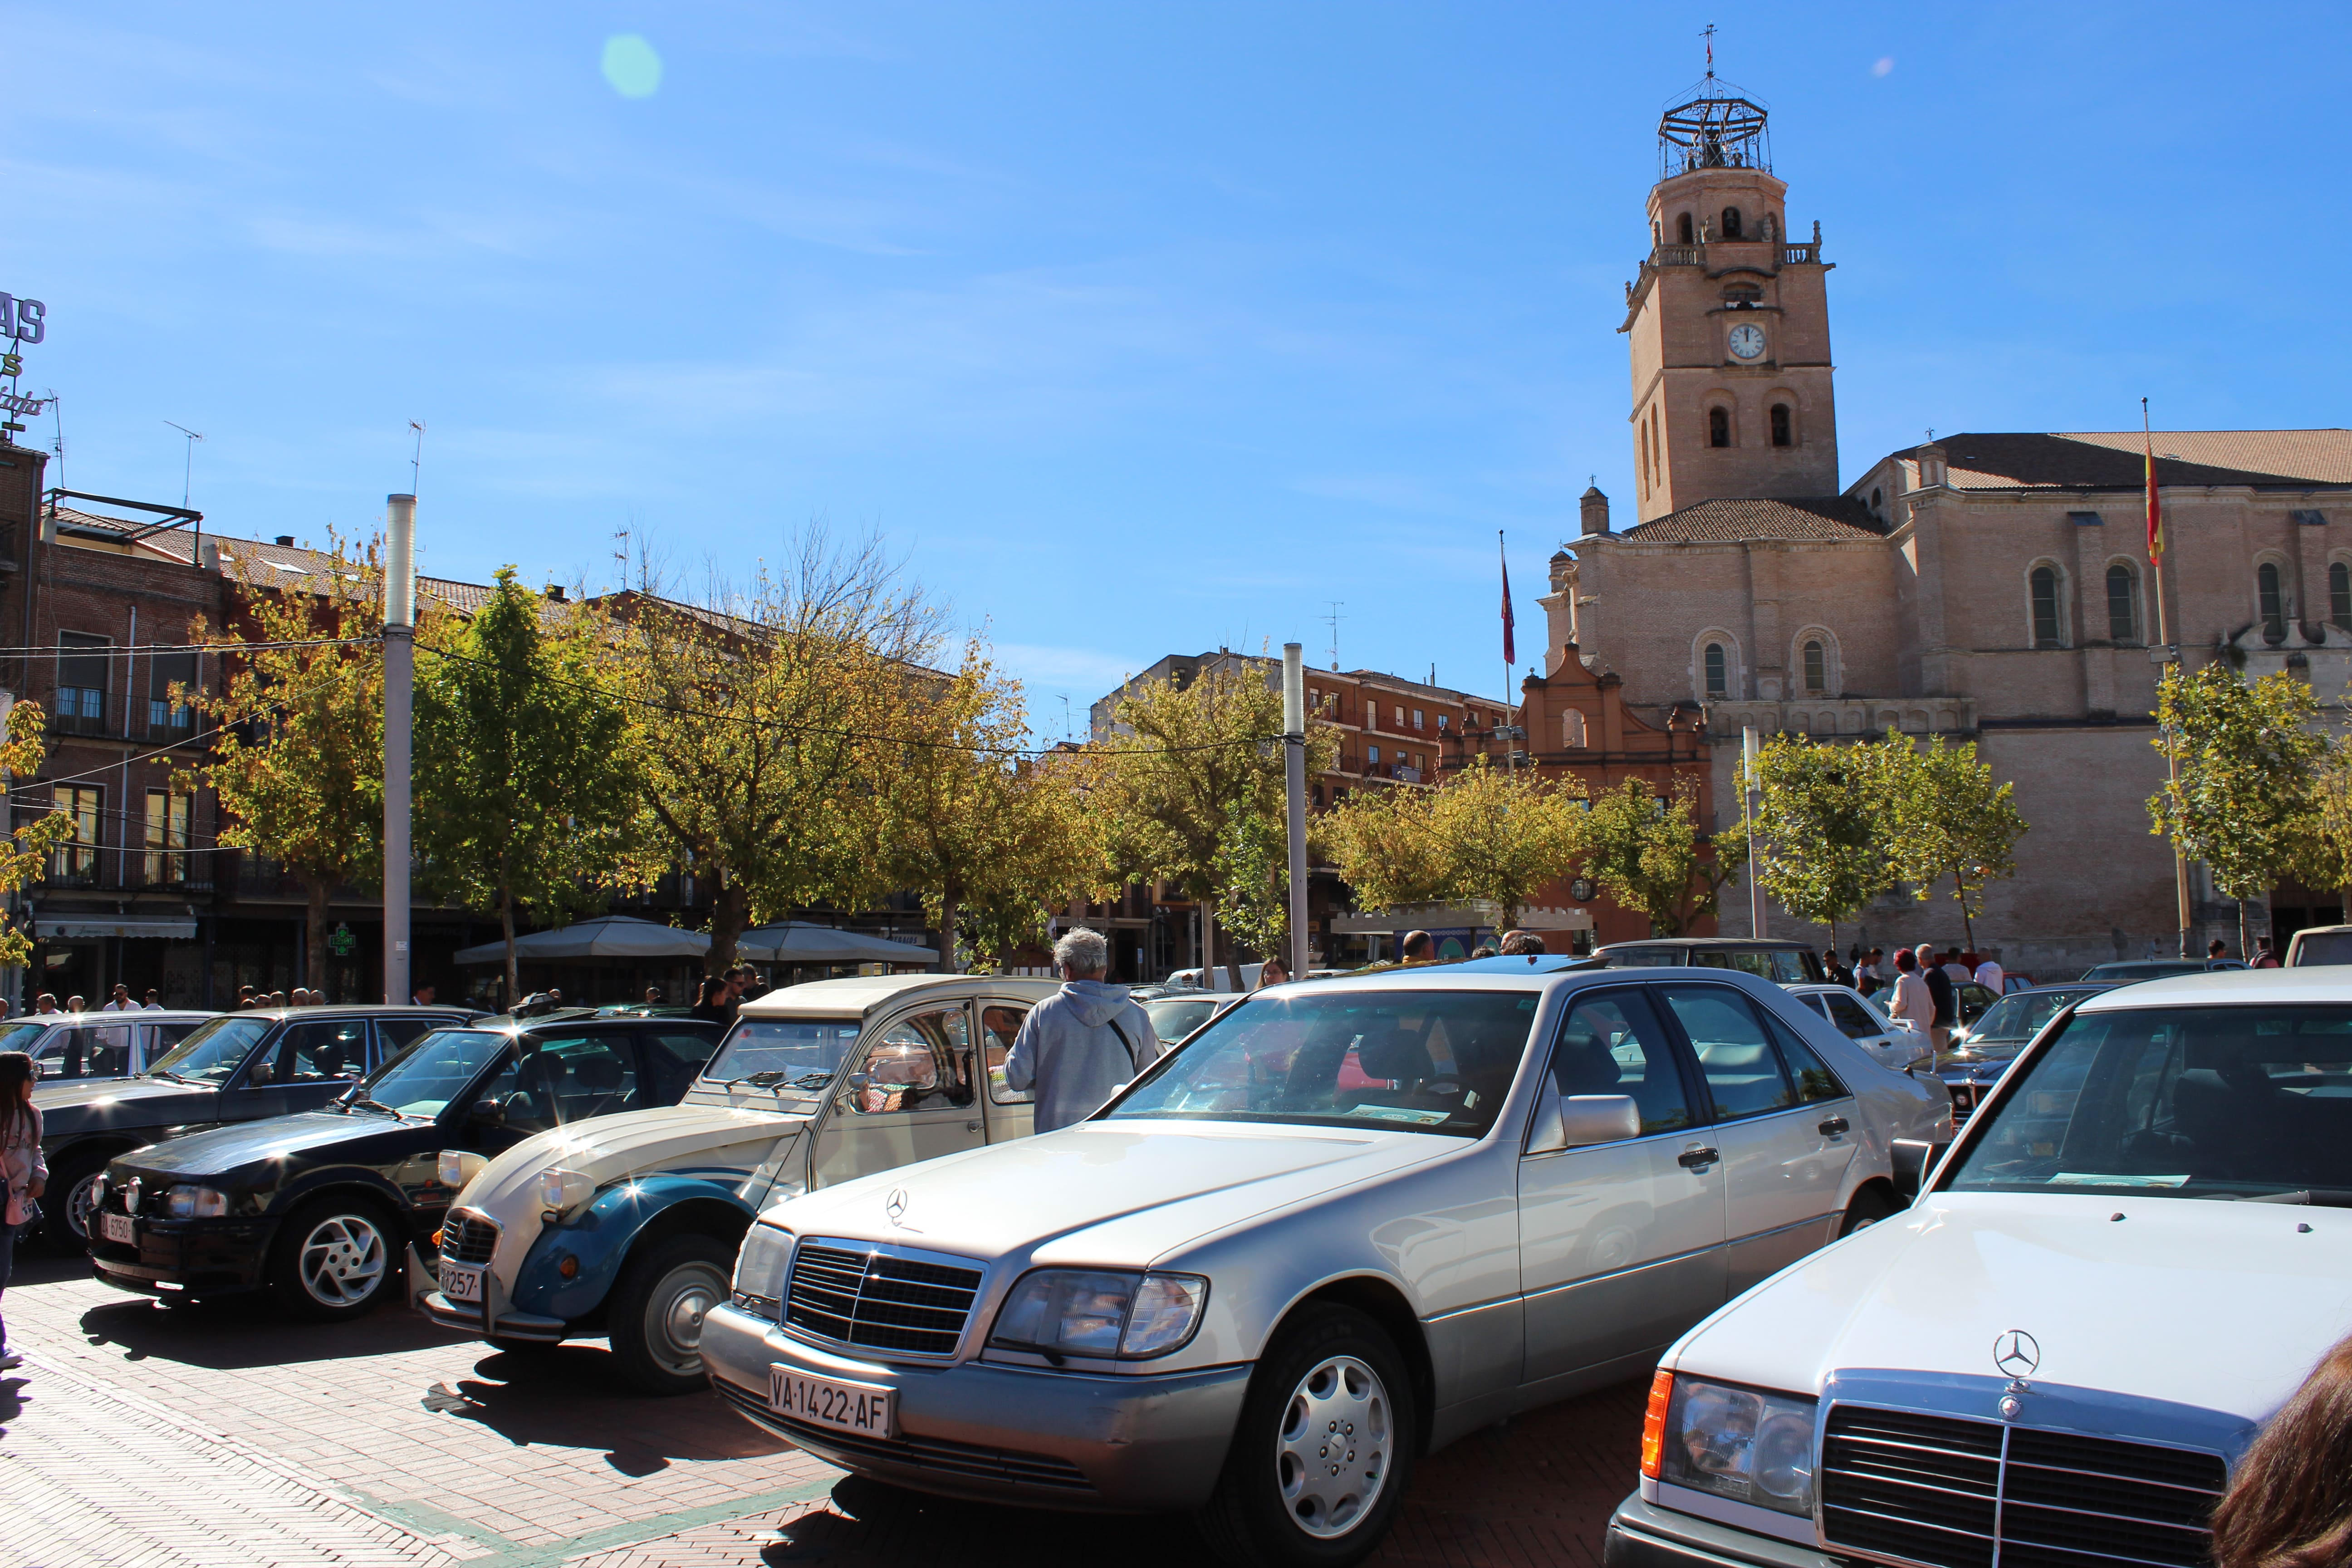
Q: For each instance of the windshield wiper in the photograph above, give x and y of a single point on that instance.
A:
(2318, 1197)
(775, 1076)
(175, 1077)
(357, 1099)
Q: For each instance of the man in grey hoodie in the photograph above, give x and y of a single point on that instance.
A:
(1080, 1044)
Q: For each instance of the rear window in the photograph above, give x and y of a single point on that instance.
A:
(2323, 947)
(1642, 958)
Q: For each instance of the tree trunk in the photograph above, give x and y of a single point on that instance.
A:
(729, 907)
(2245, 943)
(314, 932)
(949, 900)
(1966, 924)
(506, 931)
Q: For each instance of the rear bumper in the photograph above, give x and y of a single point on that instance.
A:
(1001, 1433)
(187, 1257)
(1643, 1535)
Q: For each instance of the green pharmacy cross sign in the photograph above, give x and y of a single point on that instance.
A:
(341, 942)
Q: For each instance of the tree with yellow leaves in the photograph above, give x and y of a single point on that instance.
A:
(1483, 834)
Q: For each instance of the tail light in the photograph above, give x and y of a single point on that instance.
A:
(1653, 1422)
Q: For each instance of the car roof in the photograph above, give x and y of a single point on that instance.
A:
(356, 1009)
(854, 997)
(137, 1015)
(1486, 975)
(2231, 987)
(1716, 943)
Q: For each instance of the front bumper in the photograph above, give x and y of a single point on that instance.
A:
(1001, 1433)
(1643, 1535)
(468, 1318)
(187, 1256)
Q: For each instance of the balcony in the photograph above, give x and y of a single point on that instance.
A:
(80, 710)
(171, 872)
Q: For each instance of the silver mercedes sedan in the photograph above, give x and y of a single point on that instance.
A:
(1348, 1223)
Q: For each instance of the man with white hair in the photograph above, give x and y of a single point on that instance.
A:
(1080, 1044)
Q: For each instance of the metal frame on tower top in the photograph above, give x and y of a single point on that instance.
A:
(1713, 125)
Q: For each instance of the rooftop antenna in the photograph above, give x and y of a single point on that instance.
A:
(1333, 620)
(57, 412)
(1066, 716)
(416, 459)
(188, 471)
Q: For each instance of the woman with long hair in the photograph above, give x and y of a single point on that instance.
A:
(2289, 1503)
(712, 1004)
(21, 1166)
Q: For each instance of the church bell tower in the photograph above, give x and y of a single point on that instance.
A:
(1729, 321)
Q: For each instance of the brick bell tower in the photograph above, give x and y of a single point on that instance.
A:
(1729, 321)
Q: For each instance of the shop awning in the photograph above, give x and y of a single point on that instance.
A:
(609, 936)
(799, 941)
(69, 928)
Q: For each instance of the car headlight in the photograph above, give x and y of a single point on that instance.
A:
(453, 1168)
(561, 1191)
(1097, 1313)
(196, 1202)
(760, 1268)
(99, 1187)
(1737, 1443)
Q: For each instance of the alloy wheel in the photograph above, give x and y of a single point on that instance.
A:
(674, 1315)
(1332, 1459)
(342, 1260)
(79, 1206)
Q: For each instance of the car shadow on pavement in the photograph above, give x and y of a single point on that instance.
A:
(570, 1396)
(868, 1523)
(239, 1332)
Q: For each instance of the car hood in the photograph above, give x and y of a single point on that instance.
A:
(82, 1105)
(2223, 1306)
(278, 1141)
(1118, 1192)
(730, 1146)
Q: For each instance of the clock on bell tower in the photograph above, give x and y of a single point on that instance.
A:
(1728, 322)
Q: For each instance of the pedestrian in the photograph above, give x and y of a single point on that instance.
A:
(1080, 1045)
(120, 1000)
(1912, 1002)
(423, 995)
(2216, 950)
(653, 996)
(2289, 1504)
(45, 1003)
(153, 1003)
(22, 1168)
(753, 986)
(1871, 977)
(1417, 947)
(1939, 994)
(74, 1003)
(2267, 958)
(1990, 975)
(712, 1005)
(1517, 943)
(1959, 968)
(278, 998)
(1483, 950)
(1272, 972)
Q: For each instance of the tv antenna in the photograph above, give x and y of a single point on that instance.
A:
(1333, 620)
(1066, 716)
(416, 459)
(187, 470)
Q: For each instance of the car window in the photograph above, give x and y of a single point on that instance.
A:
(2323, 947)
(1173, 1017)
(1643, 958)
(1426, 1061)
(86, 1050)
(572, 1077)
(394, 1036)
(2177, 1102)
(920, 1062)
(1851, 1018)
(1788, 968)
(1812, 1077)
(1759, 964)
(1735, 1055)
(214, 1049)
(1000, 1025)
(161, 1038)
(436, 1070)
(314, 1051)
(1613, 1043)
(673, 1058)
(1813, 1000)
(795, 1057)
(1710, 958)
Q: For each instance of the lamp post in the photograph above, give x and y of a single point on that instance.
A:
(399, 683)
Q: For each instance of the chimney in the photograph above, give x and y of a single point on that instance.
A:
(1595, 510)
(555, 592)
(1931, 466)
(287, 540)
(208, 557)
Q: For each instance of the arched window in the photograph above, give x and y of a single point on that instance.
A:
(1719, 671)
(1816, 666)
(2046, 625)
(1718, 428)
(2123, 605)
(1731, 222)
(2268, 601)
(2339, 594)
(1572, 731)
(1877, 498)
(1683, 228)
(1782, 436)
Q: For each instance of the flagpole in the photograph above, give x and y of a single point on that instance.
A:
(2167, 655)
(1510, 752)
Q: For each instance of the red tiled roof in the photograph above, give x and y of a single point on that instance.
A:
(1734, 519)
(2113, 459)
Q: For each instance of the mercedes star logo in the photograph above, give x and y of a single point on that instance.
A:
(895, 1205)
(2016, 1353)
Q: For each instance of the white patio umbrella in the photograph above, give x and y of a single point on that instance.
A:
(607, 936)
(799, 942)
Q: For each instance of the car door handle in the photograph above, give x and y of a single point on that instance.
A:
(1833, 1126)
(972, 1126)
(1695, 1158)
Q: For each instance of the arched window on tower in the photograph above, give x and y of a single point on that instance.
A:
(2123, 605)
(1718, 428)
(2268, 600)
(2046, 625)
(1731, 222)
(1816, 666)
(1719, 671)
(1683, 229)
(2339, 594)
(1782, 435)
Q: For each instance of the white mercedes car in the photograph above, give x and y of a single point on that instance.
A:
(1347, 1222)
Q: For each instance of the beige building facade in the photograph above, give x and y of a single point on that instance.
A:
(1993, 587)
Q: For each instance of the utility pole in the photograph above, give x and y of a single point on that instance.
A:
(1294, 790)
(399, 683)
(1748, 804)
(2168, 660)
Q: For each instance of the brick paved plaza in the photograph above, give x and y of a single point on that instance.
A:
(225, 1435)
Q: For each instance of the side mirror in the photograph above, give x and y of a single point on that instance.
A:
(1573, 1121)
(489, 1110)
(1913, 1160)
(858, 1082)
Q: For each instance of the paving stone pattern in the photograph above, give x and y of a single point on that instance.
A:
(225, 1434)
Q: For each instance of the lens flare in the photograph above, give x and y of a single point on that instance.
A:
(631, 66)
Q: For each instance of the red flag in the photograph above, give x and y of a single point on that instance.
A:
(2155, 509)
(1510, 652)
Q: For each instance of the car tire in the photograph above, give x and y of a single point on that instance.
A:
(334, 1258)
(61, 1224)
(655, 1319)
(1323, 1451)
(1869, 1207)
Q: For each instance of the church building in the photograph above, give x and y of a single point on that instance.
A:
(1992, 587)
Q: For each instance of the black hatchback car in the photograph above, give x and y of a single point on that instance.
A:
(319, 1208)
(239, 1066)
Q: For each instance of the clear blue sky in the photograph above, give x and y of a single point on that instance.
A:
(1132, 328)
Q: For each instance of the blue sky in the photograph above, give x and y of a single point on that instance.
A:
(1132, 328)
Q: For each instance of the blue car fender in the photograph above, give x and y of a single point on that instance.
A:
(597, 1240)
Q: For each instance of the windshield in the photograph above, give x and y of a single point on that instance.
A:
(2013, 1020)
(2142, 969)
(423, 1079)
(19, 1037)
(784, 1054)
(212, 1051)
(1174, 1017)
(1425, 1062)
(2179, 1101)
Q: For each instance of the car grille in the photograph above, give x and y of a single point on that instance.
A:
(925, 1453)
(467, 1238)
(1965, 1494)
(878, 1300)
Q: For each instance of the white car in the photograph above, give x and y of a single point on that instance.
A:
(2133, 1254)
(1347, 1222)
(1895, 1043)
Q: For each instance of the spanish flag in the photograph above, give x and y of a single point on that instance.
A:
(2155, 507)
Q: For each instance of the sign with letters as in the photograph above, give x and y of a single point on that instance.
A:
(25, 320)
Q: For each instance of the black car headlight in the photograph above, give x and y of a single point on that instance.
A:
(186, 1202)
(1100, 1312)
(1739, 1443)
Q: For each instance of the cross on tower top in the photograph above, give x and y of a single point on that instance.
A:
(1708, 33)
